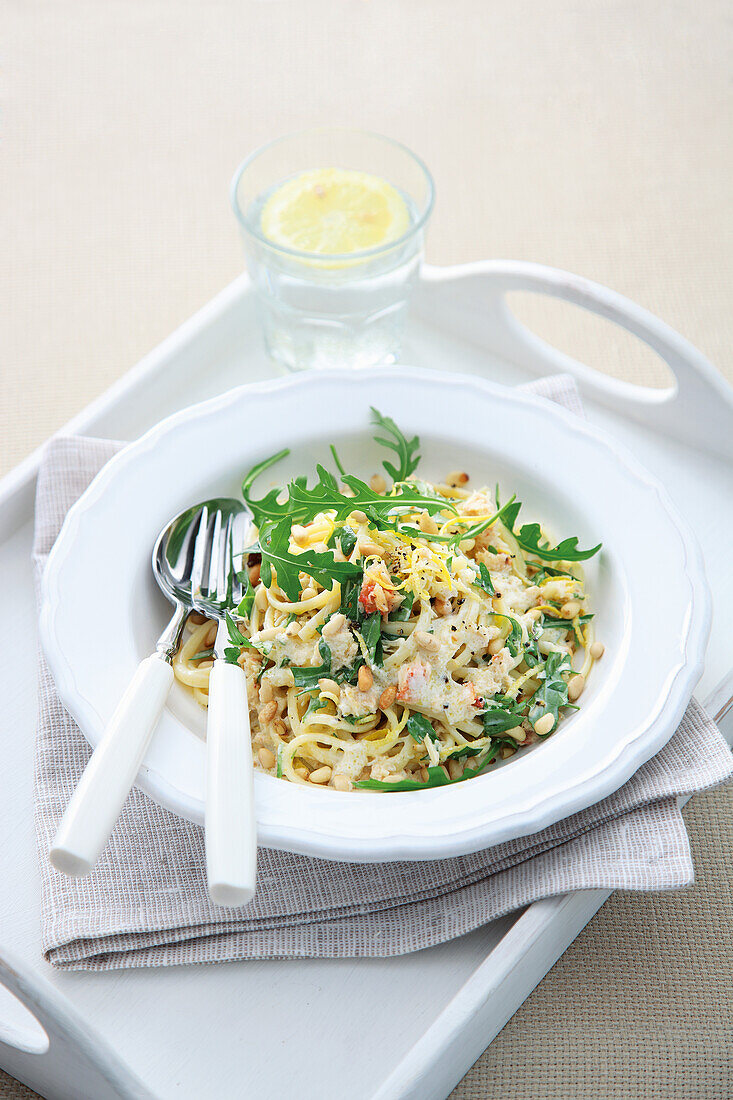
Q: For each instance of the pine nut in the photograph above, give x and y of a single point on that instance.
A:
(365, 678)
(424, 774)
(301, 772)
(455, 768)
(427, 524)
(575, 688)
(268, 712)
(267, 759)
(597, 650)
(570, 609)
(261, 597)
(507, 751)
(308, 593)
(297, 532)
(196, 619)
(333, 625)
(254, 574)
(466, 546)
(426, 641)
(329, 685)
(388, 696)
(495, 646)
(267, 692)
(341, 783)
(321, 775)
(544, 724)
(377, 483)
(456, 478)
(369, 548)
(359, 516)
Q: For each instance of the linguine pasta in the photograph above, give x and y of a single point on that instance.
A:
(400, 636)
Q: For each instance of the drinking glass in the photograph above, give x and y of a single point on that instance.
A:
(348, 309)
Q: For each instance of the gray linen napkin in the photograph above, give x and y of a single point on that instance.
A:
(146, 903)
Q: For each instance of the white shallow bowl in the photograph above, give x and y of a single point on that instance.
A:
(102, 611)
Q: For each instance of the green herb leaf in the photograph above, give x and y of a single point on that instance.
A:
(484, 580)
(337, 460)
(308, 677)
(402, 613)
(436, 778)
(350, 589)
(513, 640)
(371, 632)
(404, 449)
(244, 608)
(549, 623)
(347, 541)
(267, 508)
(529, 538)
(419, 727)
(321, 565)
(553, 692)
(500, 717)
(314, 703)
(204, 653)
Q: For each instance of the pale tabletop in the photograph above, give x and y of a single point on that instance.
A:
(594, 137)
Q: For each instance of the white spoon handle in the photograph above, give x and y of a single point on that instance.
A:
(101, 792)
(231, 836)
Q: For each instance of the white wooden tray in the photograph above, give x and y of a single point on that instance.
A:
(250, 1028)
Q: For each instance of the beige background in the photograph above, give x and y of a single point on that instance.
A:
(593, 136)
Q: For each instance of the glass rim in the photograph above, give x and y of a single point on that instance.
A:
(363, 253)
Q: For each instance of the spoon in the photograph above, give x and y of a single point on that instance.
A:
(108, 777)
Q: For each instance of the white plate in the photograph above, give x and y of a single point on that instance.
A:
(102, 613)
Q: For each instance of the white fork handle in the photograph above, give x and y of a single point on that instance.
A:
(231, 834)
(101, 792)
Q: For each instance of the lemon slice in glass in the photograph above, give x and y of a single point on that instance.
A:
(334, 211)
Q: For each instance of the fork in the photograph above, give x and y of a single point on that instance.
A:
(230, 828)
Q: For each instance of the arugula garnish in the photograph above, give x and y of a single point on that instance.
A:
(552, 693)
(337, 460)
(347, 541)
(402, 613)
(371, 632)
(204, 653)
(321, 565)
(419, 727)
(530, 534)
(350, 589)
(404, 449)
(314, 703)
(549, 623)
(436, 777)
(514, 638)
(483, 580)
(501, 715)
(244, 608)
(238, 640)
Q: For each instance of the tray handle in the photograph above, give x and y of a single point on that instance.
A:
(62, 1059)
(698, 409)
